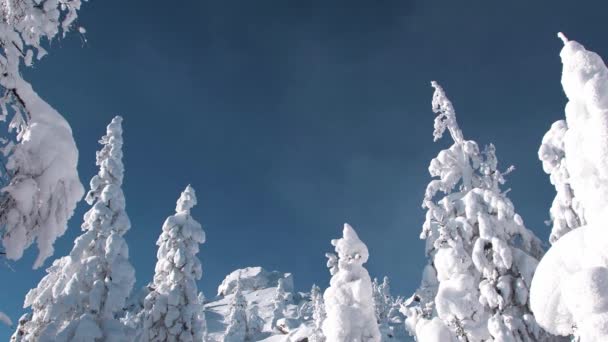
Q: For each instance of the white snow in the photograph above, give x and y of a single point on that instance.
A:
(571, 289)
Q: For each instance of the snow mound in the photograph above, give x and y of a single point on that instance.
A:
(254, 278)
(571, 289)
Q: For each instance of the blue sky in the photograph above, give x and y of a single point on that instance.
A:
(290, 118)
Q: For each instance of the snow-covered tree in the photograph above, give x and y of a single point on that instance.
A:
(566, 212)
(278, 303)
(83, 293)
(318, 314)
(41, 183)
(348, 300)
(255, 323)
(482, 257)
(382, 305)
(172, 309)
(569, 292)
(236, 330)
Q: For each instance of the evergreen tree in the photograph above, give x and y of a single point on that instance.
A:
(382, 305)
(482, 257)
(278, 303)
(236, 330)
(172, 310)
(83, 293)
(348, 300)
(255, 323)
(318, 314)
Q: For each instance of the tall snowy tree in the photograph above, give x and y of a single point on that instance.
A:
(278, 303)
(318, 314)
(172, 309)
(82, 294)
(41, 186)
(348, 300)
(482, 257)
(236, 329)
(569, 293)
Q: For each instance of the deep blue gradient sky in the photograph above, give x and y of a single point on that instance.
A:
(292, 117)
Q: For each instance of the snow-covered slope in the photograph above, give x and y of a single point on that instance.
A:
(259, 288)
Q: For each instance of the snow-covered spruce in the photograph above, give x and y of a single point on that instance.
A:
(41, 184)
(82, 294)
(318, 314)
(172, 308)
(348, 300)
(481, 256)
(278, 303)
(236, 329)
(569, 292)
(255, 323)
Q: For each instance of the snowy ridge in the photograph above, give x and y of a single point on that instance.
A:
(297, 324)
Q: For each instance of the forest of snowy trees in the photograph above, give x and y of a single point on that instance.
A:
(488, 277)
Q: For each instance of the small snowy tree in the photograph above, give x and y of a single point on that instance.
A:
(255, 323)
(482, 257)
(348, 300)
(41, 183)
(82, 294)
(318, 314)
(278, 303)
(236, 330)
(172, 310)
(382, 305)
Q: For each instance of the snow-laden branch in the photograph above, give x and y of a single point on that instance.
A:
(446, 115)
(42, 187)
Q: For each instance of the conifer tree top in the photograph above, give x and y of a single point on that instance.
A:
(187, 200)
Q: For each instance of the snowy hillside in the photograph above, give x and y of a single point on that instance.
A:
(259, 288)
